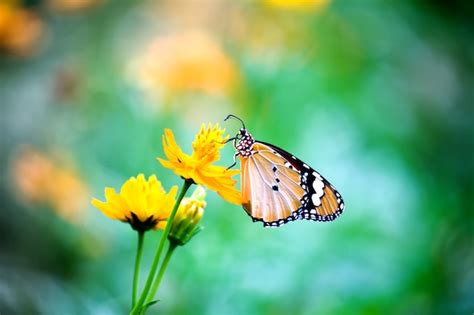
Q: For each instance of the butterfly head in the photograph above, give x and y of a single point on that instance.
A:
(243, 142)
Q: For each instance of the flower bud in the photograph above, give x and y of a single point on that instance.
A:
(186, 222)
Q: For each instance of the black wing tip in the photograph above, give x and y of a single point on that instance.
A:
(307, 215)
(323, 218)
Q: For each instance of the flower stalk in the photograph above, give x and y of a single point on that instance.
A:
(161, 272)
(183, 228)
(139, 305)
(136, 274)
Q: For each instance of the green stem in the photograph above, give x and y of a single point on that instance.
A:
(138, 306)
(161, 272)
(136, 274)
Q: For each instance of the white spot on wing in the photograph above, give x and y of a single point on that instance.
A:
(318, 192)
(316, 200)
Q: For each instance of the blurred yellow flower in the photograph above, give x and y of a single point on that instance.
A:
(40, 180)
(309, 5)
(189, 61)
(199, 166)
(142, 203)
(20, 29)
(186, 222)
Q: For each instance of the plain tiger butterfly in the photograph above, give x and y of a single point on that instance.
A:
(278, 188)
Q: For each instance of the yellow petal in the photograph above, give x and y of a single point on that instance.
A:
(231, 195)
(107, 210)
(199, 165)
(161, 225)
(144, 198)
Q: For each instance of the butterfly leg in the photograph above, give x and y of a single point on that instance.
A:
(235, 162)
(229, 140)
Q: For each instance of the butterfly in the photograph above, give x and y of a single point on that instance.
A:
(278, 188)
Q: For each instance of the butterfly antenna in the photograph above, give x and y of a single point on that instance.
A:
(233, 116)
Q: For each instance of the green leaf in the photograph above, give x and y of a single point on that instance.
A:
(147, 305)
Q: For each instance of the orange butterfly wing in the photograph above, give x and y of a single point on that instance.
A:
(278, 188)
(271, 192)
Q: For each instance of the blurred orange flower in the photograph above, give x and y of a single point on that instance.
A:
(20, 30)
(199, 166)
(190, 61)
(309, 5)
(40, 180)
(142, 203)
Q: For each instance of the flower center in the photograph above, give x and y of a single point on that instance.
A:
(207, 143)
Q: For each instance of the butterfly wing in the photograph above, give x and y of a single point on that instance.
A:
(278, 187)
(271, 191)
(321, 201)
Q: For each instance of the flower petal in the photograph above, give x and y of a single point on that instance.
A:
(199, 165)
(141, 202)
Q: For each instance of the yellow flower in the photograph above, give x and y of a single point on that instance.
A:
(186, 222)
(299, 4)
(144, 204)
(199, 166)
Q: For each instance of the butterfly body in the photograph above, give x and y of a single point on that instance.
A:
(278, 188)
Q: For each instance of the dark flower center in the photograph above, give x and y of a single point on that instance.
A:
(141, 226)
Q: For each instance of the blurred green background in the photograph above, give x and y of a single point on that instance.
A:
(376, 95)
